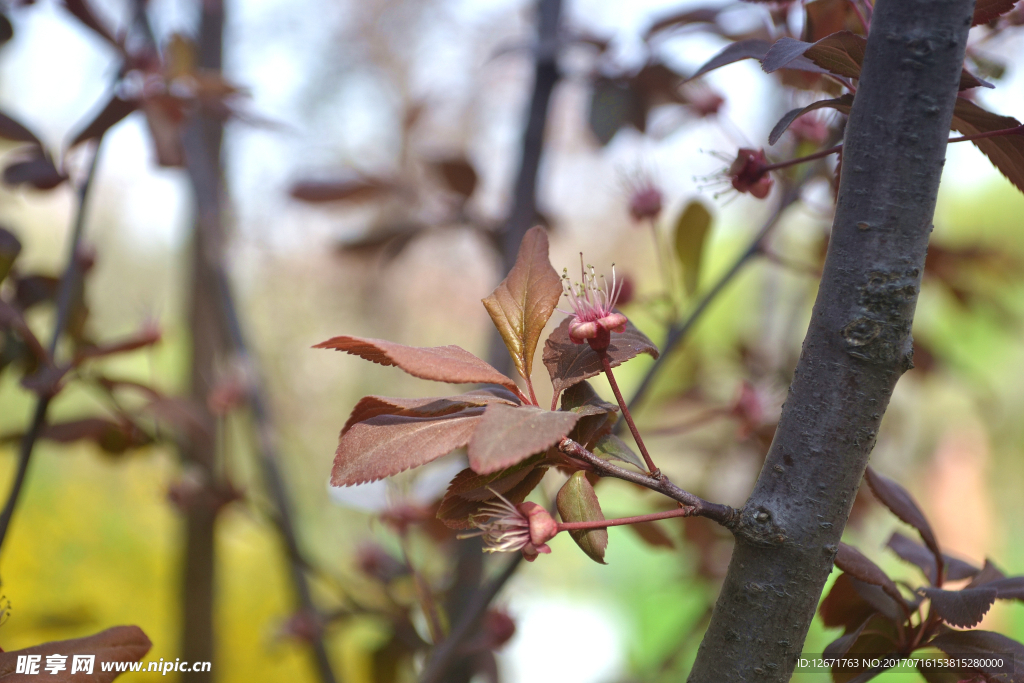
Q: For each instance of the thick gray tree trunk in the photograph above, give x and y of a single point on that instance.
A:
(857, 346)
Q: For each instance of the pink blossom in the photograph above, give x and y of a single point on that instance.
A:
(507, 528)
(593, 306)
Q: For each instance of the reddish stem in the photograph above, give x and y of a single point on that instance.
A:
(1017, 130)
(860, 15)
(533, 396)
(606, 363)
(604, 523)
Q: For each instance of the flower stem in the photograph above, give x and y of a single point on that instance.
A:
(604, 523)
(800, 160)
(606, 363)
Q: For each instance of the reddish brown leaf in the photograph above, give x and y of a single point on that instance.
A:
(570, 363)
(913, 552)
(388, 444)
(825, 17)
(12, 130)
(577, 502)
(1006, 152)
(521, 305)
(652, 534)
(117, 644)
(113, 437)
(853, 562)
(469, 491)
(112, 113)
(36, 170)
(509, 434)
(147, 336)
(83, 12)
(987, 10)
(964, 608)
(459, 175)
(902, 504)
(450, 364)
(372, 406)
(842, 104)
(359, 189)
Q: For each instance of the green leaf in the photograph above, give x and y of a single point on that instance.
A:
(577, 502)
(692, 228)
(521, 305)
(508, 434)
(611, 447)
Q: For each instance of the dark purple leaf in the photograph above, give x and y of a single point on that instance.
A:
(450, 364)
(652, 534)
(37, 170)
(852, 561)
(840, 646)
(1011, 588)
(522, 304)
(706, 15)
(841, 104)
(508, 434)
(844, 606)
(10, 247)
(570, 363)
(840, 53)
(112, 113)
(913, 552)
(14, 131)
(114, 437)
(83, 12)
(752, 48)
(901, 503)
(964, 608)
(960, 643)
(597, 415)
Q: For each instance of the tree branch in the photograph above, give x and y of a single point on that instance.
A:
(677, 333)
(70, 282)
(857, 346)
(723, 514)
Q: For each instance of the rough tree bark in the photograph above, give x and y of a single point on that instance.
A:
(857, 346)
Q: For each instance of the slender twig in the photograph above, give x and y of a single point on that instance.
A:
(692, 423)
(69, 283)
(622, 521)
(606, 363)
(723, 514)
(426, 596)
(677, 333)
(444, 654)
(801, 160)
(1016, 130)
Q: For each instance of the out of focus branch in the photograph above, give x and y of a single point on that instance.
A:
(445, 653)
(70, 282)
(678, 332)
(202, 153)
